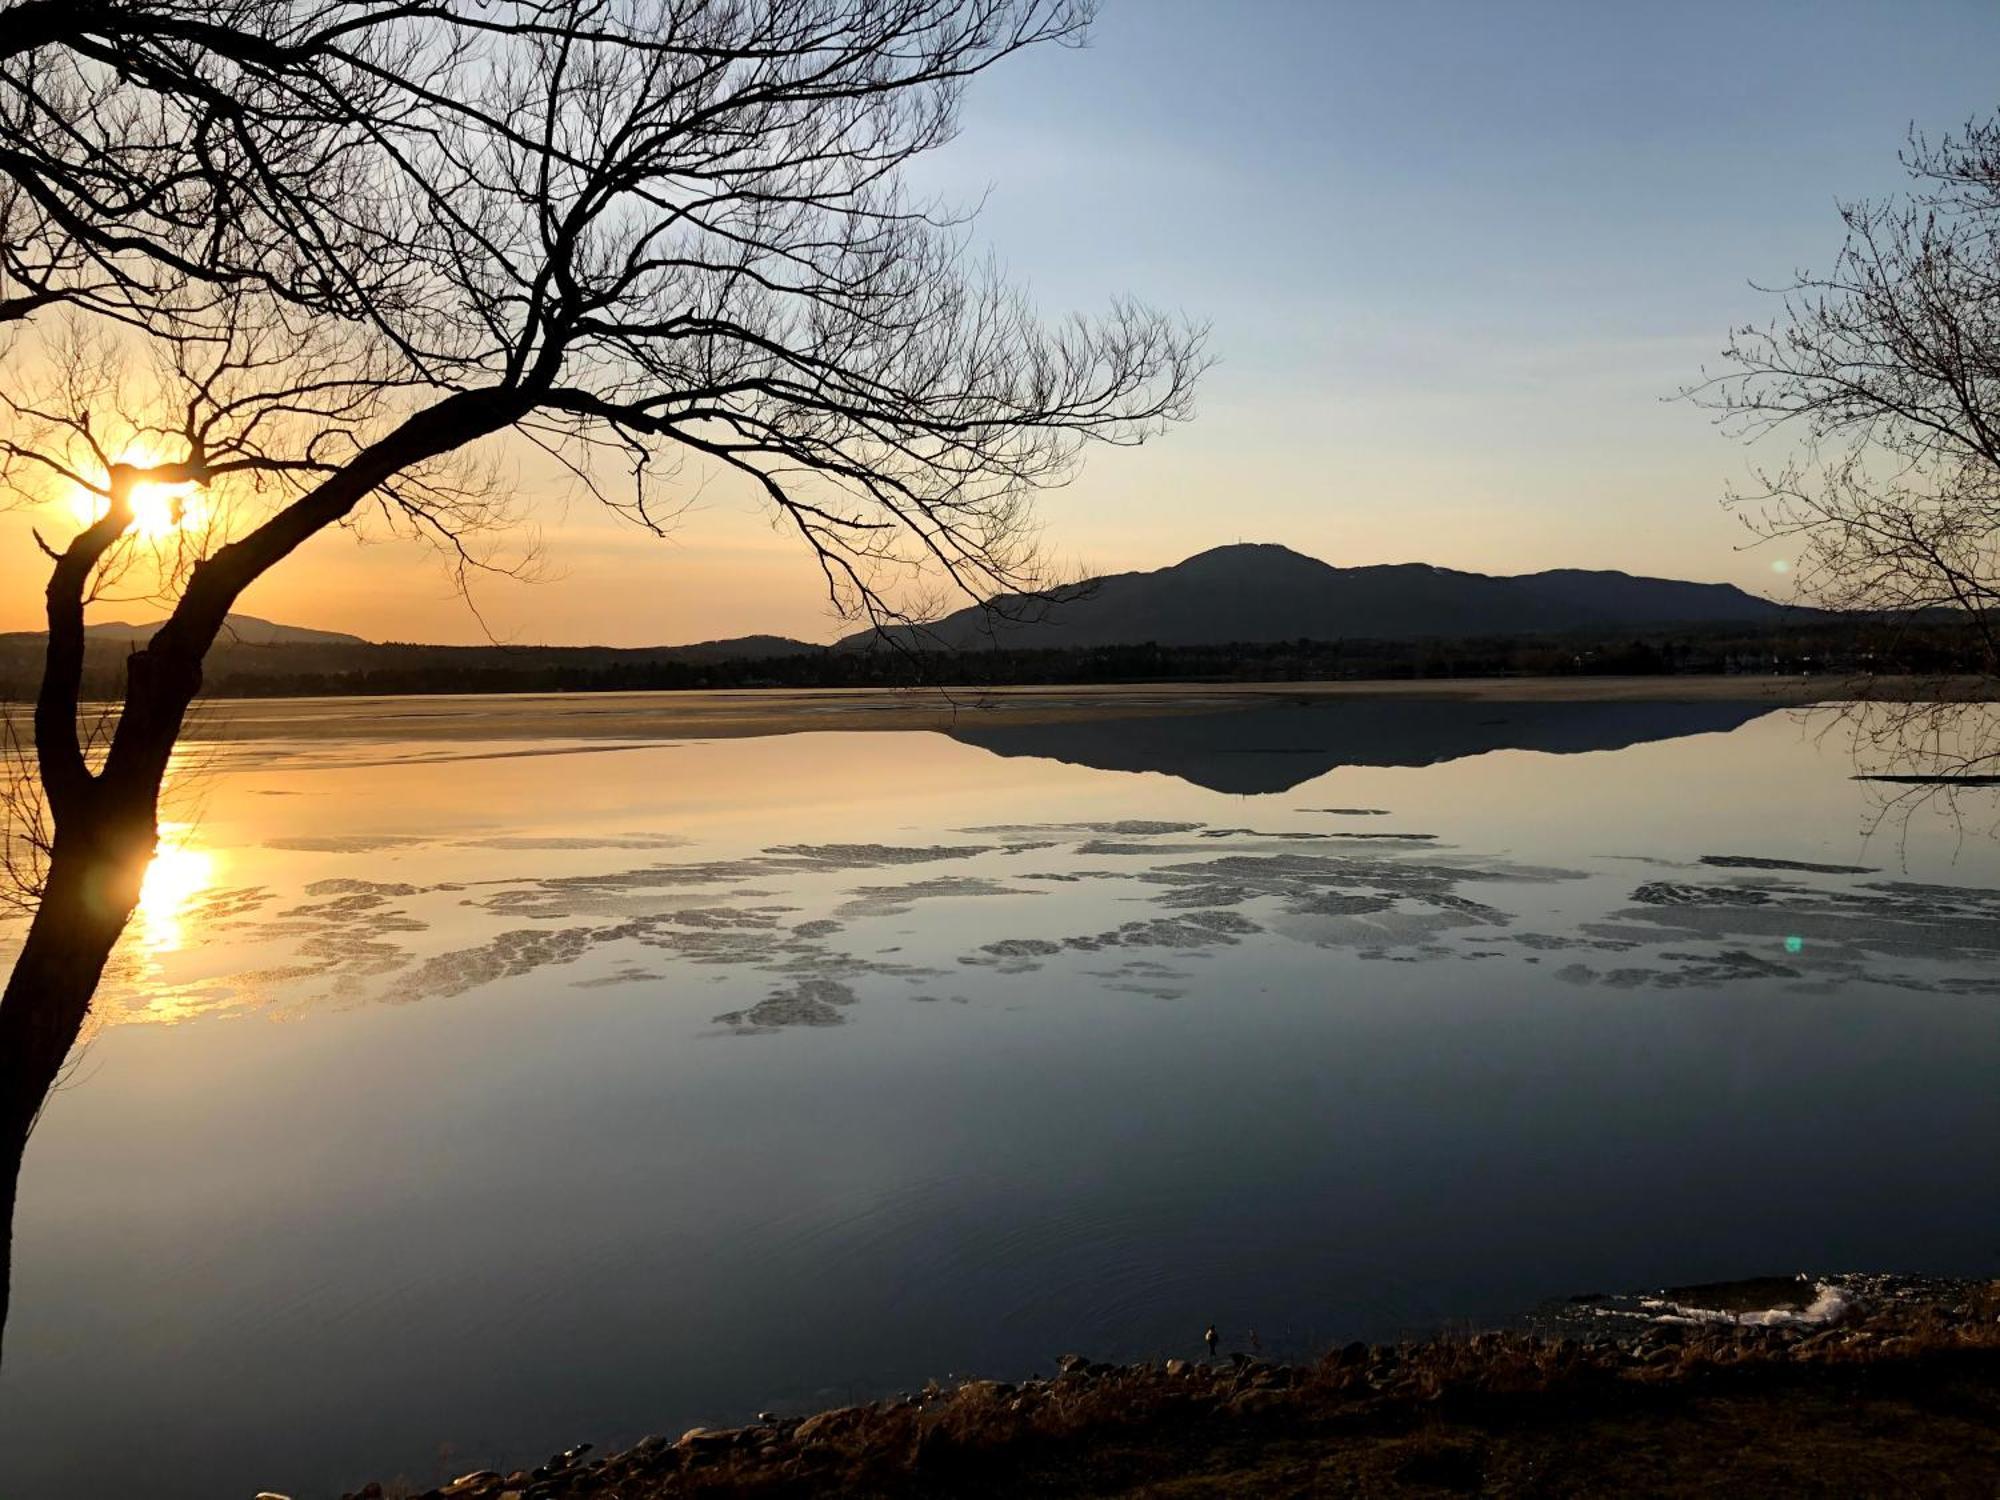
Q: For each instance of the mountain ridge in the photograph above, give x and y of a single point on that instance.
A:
(1256, 592)
(238, 629)
(1240, 593)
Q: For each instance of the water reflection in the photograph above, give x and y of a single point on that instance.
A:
(1924, 758)
(180, 872)
(310, 912)
(1277, 748)
(850, 1059)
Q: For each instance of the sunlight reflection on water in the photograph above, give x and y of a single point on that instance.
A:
(179, 873)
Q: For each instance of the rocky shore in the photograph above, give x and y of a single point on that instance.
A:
(1847, 1391)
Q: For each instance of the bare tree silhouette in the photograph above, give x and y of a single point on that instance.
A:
(1887, 370)
(355, 245)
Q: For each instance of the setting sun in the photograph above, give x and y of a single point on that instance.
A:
(158, 510)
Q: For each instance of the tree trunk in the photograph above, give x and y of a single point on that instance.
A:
(93, 884)
(13, 1143)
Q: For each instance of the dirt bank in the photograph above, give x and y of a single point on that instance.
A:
(1903, 1396)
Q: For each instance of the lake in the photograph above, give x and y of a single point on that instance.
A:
(460, 1096)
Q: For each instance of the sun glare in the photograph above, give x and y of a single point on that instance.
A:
(178, 874)
(158, 510)
(161, 509)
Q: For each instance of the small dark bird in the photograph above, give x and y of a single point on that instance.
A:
(1208, 1337)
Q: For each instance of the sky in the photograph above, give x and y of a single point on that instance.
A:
(1457, 257)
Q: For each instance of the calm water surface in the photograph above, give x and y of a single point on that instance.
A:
(459, 1100)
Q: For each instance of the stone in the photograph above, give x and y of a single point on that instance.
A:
(1177, 1368)
(1251, 1403)
(473, 1483)
(712, 1439)
(824, 1424)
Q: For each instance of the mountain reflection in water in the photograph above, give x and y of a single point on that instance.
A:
(1274, 749)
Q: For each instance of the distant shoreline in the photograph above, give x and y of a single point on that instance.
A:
(743, 712)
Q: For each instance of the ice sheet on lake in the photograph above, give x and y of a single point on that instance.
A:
(821, 932)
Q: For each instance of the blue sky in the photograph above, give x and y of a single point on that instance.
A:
(1455, 254)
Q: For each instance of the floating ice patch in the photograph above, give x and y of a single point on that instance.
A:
(1198, 929)
(1129, 827)
(867, 856)
(345, 843)
(1757, 862)
(896, 900)
(804, 1002)
(1829, 1304)
(580, 842)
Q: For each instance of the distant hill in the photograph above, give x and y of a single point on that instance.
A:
(330, 650)
(241, 630)
(258, 656)
(1247, 612)
(1257, 592)
(740, 648)
(736, 648)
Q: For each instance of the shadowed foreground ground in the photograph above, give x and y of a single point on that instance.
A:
(1904, 1400)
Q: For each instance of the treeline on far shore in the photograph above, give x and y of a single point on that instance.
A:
(306, 670)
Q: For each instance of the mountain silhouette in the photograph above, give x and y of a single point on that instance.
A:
(1260, 592)
(1251, 751)
(240, 630)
